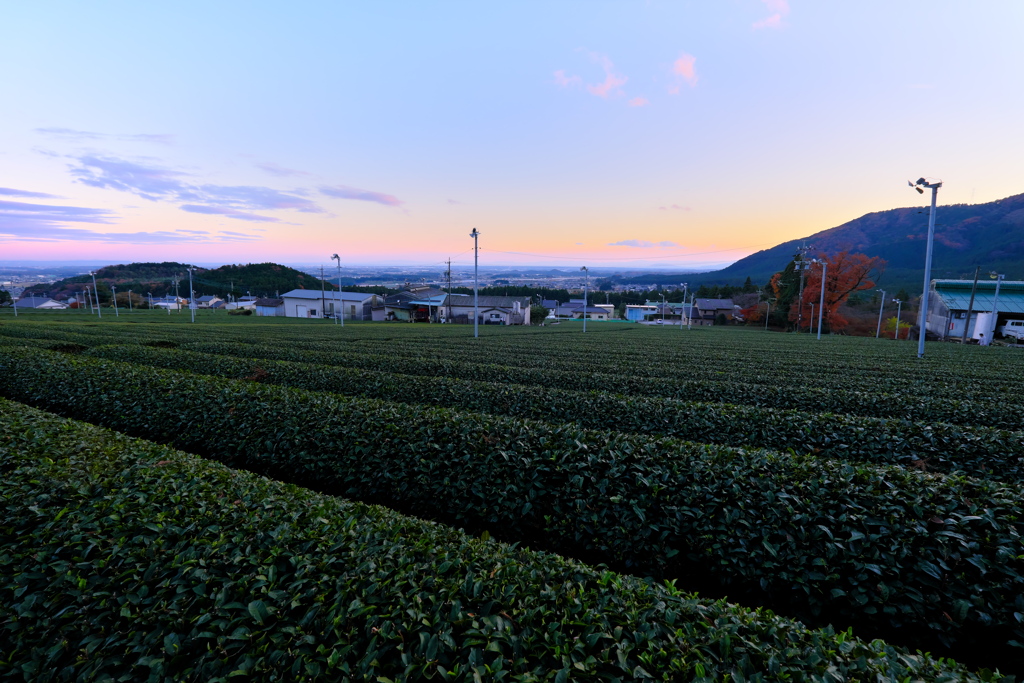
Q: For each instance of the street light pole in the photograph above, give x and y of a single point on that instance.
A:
(586, 283)
(341, 316)
(995, 307)
(682, 309)
(191, 294)
(934, 187)
(899, 310)
(880, 307)
(96, 293)
(476, 281)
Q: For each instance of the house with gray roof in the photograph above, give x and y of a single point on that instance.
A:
(39, 303)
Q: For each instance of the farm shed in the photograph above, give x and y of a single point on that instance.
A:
(950, 300)
(311, 303)
(270, 307)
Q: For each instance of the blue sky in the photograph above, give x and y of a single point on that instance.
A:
(611, 133)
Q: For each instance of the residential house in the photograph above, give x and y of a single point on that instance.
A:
(207, 301)
(705, 311)
(494, 310)
(40, 303)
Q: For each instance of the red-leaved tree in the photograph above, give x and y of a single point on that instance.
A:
(846, 273)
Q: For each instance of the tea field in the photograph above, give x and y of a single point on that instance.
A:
(283, 500)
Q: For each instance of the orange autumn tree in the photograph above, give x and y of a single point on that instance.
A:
(846, 273)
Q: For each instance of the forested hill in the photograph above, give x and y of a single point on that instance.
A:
(966, 235)
(257, 279)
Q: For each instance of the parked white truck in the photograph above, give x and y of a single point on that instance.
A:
(1013, 329)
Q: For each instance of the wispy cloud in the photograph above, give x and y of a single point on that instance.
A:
(638, 102)
(674, 207)
(281, 171)
(155, 183)
(643, 244)
(229, 212)
(778, 8)
(563, 81)
(612, 82)
(24, 222)
(684, 70)
(9, 192)
(72, 135)
(346, 192)
(455, 201)
(21, 212)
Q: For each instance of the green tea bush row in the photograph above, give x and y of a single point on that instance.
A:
(124, 560)
(933, 447)
(924, 558)
(779, 394)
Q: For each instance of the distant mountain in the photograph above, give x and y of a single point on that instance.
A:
(258, 279)
(966, 235)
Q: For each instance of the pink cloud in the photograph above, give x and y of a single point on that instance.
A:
(685, 68)
(639, 102)
(563, 81)
(612, 81)
(779, 9)
(674, 207)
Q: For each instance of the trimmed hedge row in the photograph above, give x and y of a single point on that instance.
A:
(124, 560)
(780, 394)
(930, 447)
(923, 558)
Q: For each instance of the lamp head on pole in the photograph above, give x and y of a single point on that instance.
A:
(922, 184)
(474, 234)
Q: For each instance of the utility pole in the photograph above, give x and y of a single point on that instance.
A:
(970, 306)
(449, 297)
(934, 187)
(801, 264)
(476, 281)
(96, 293)
(323, 295)
(586, 283)
(113, 291)
(177, 299)
(821, 303)
(880, 307)
(341, 317)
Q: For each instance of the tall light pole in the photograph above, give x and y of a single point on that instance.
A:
(131, 309)
(476, 281)
(682, 309)
(586, 283)
(821, 302)
(113, 292)
(995, 304)
(96, 293)
(880, 307)
(899, 310)
(810, 323)
(767, 314)
(191, 294)
(341, 316)
(934, 187)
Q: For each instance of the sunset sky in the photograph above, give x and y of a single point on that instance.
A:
(668, 134)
